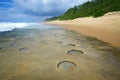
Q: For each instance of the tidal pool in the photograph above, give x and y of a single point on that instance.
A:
(66, 66)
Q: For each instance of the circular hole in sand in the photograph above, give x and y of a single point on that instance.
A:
(71, 45)
(75, 52)
(66, 66)
(59, 42)
(23, 49)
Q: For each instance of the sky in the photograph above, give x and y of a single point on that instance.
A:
(33, 10)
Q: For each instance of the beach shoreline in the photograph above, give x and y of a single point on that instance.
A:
(34, 53)
(105, 28)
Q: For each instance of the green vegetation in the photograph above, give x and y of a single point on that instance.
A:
(52, 19)
(93, 8)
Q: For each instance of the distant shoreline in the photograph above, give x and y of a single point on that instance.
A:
(105, 28)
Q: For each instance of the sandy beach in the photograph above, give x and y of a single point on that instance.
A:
(59, 39)
(105, 28)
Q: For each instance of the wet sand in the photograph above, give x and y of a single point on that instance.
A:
(106, 28)
(54, 53)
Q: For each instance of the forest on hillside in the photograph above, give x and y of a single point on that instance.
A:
(95, 8)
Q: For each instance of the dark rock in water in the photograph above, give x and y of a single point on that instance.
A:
(1, 48)
(66, 66)
(23, 49)
(75, 52)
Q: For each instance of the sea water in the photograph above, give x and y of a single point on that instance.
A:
(8, 26)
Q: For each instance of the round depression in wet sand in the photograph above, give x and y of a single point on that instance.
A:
(23, 49)
(75, 52)
(66, 66)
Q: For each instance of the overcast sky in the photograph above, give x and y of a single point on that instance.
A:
(33, 10)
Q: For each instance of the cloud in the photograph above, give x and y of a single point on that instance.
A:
(11, 16)
(35, 9)
(45, 7)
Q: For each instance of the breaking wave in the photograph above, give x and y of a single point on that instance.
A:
(8, 26)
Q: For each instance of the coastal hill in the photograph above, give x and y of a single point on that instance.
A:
(93, 8)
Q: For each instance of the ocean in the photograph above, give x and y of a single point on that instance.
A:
(8, 26)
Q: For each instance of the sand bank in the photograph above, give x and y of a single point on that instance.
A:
(106, 28)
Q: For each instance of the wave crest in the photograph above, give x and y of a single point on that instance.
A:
(7, 26)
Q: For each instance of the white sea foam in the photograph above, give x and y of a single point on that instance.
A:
(7, 26)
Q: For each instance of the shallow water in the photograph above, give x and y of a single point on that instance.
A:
(43, 52)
